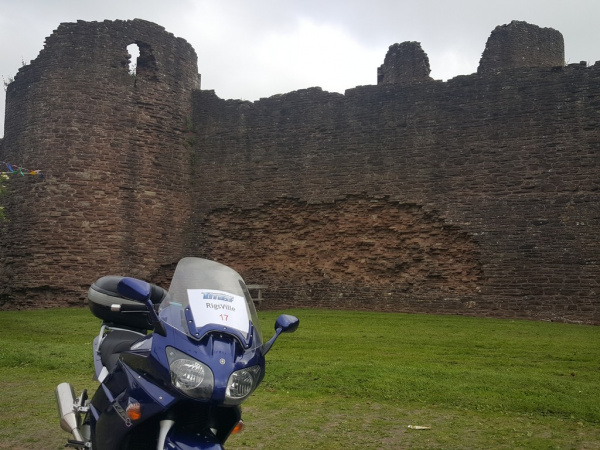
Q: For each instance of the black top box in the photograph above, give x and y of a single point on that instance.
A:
(104, 293)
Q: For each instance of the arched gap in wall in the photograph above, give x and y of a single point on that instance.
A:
(146, 68)
(134, 53)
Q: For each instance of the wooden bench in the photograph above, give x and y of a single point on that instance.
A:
(257, 287)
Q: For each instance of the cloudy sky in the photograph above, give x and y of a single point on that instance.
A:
(248, 49)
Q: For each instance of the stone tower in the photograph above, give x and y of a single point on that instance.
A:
(112, 148)
(519, 45)
(404, 63)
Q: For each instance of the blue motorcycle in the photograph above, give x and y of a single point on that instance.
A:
(181, 385)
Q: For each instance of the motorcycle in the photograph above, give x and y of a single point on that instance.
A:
(173, 366)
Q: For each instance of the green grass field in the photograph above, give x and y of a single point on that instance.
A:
(351, 380)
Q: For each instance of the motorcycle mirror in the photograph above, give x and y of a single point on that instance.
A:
(134, 289)
(287, 323)
(139, 291)
(284, 324)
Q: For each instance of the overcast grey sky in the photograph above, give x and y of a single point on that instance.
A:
(248, 49)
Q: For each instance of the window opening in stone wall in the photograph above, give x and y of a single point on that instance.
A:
(145, 67)
(134, 52)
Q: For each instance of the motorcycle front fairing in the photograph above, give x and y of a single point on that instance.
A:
(208, 361)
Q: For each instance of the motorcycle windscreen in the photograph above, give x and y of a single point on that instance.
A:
(207, 296)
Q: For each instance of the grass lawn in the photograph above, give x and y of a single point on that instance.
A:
(351, 380)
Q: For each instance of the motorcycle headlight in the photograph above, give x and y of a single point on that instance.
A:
(241, 384)
(189, 375)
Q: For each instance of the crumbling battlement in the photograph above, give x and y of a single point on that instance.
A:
(404, 63)
(474, 196)
(520, 45)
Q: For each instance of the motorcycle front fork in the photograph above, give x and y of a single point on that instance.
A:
(165, 427)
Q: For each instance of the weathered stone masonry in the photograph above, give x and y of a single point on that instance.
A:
(474, 196)
(113, 150)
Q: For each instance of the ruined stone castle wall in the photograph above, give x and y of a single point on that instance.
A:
(404, 63)
(113, 153)
(474, 196)
(519, 44)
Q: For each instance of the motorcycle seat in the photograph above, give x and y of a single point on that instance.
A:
(114, 343)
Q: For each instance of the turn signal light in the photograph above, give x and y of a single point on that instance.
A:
(134, 411)
(238, 428)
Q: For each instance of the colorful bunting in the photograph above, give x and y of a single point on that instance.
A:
(14, 169)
